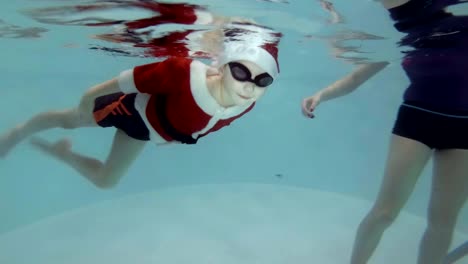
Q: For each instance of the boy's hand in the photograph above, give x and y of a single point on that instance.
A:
(309, 104)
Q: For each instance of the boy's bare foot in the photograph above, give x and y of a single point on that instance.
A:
(57, 149)
(7, 141)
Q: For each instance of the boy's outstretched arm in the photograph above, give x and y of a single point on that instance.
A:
(342, 87)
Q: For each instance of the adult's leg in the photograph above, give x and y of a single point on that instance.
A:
(405, 162)
(448, 195)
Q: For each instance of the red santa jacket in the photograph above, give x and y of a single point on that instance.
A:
(174, 101)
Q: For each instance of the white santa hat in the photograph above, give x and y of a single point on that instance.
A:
(257, 45)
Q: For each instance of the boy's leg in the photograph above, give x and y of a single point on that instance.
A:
(70, 118)
(81, 116)
(104, 175)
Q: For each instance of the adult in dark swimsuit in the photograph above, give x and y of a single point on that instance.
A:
(432, 122)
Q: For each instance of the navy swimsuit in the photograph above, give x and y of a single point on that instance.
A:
(435, 108)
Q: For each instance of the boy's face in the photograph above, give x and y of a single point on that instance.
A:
(242, 92)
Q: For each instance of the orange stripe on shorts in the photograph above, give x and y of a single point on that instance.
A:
(112, 108)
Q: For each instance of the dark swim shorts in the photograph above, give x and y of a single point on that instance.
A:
(118, 110)
(436, 129)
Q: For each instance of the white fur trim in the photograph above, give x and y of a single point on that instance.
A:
(203, 17)
(208, 126)
(203, 97)
(257, 55)
(199, 88)
(193, 43)
(141, 102)
(126, 82)
(206, 101)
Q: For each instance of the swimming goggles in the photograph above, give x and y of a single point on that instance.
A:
(243, 74)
